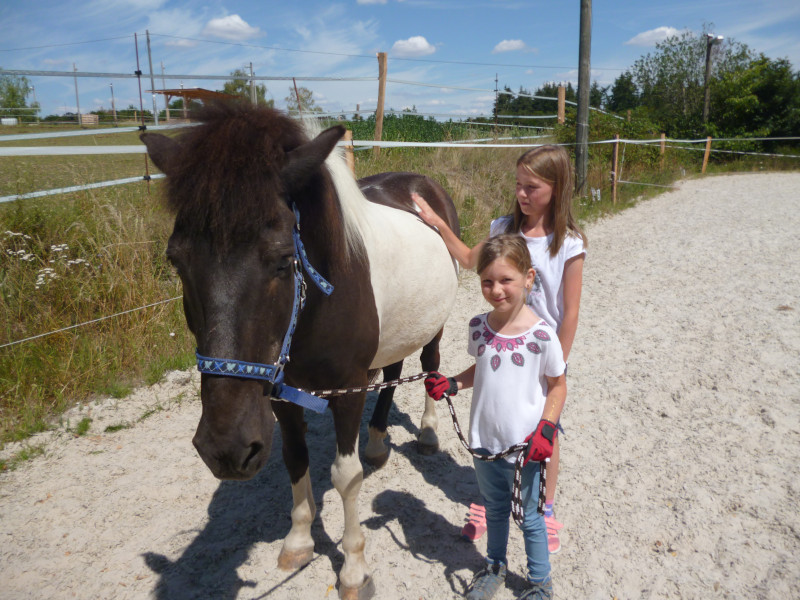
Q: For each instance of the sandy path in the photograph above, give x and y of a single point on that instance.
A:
(681, 463)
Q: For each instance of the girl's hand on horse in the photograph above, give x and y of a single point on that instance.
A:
(540, 442)
(425, 212)
(437, 385)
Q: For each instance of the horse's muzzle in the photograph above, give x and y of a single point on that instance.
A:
(238, 462)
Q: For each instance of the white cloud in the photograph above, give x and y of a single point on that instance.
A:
(509, 46)
(232, 27)
(652, 37)
(180, 43)
(412, 47)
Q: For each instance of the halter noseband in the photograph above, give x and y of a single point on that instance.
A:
(273, 374)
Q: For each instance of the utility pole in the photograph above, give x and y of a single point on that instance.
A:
(253, 98)
(710, 41)
(152, 79)
(113, 105)
(77, 101)
(163, 87)
(584, 72)
(496, 96)
(36, 103)
(183, 104)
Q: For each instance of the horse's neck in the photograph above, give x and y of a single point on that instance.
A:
(351, 203)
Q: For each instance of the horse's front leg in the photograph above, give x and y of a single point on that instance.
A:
(377, 453)
(347, 474)
(428, 441)
(298, 546)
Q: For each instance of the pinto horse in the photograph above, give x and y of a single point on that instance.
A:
(296, 277)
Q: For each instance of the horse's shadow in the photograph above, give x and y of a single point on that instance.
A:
(242, 514)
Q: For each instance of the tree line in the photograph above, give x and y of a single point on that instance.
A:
(751, 95)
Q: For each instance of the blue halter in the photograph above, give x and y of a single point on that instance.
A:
(274, 373)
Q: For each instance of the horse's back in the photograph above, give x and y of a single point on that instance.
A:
(394, 189)
(414, 278)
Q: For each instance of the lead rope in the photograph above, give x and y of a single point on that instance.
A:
(516, 493)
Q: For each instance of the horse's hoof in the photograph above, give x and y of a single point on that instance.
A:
(365, 591)
(377, 461)
(427, 442)
(295, 559)
(427, 449)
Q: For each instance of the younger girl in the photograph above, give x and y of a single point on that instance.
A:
(543, 216)
(520, 389)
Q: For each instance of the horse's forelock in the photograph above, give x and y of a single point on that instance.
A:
(226, 179)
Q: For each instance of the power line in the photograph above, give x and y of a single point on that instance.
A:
(121, 37)
(278, 48)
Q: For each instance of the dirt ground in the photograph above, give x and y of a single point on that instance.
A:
(680, 465)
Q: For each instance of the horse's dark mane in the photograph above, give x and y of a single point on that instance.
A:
(225, 182)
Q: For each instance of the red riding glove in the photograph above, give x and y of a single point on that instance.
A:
(437, 385)
(540, 442)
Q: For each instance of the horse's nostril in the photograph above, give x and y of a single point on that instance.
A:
(255, 450)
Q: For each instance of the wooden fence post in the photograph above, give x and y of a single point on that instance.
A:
(614, 167)
(348, 151)
(708, 152)
(663, 147)
(376, 150)
(562, 101)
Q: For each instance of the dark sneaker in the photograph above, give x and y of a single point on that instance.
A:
(487, 582)
(539, 591)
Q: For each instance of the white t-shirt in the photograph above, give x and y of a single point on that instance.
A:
(510, 387)
(547, 295)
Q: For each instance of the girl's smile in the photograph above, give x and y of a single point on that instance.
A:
(504, 286)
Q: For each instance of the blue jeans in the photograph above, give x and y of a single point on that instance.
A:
(495, 480)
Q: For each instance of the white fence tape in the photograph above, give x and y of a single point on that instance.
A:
(78, 188)
(78, 132)
(69, 150)
(124, 312)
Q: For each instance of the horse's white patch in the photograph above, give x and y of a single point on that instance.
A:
(414, 281)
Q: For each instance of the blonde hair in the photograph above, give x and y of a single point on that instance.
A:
(510, 246)
(551, 164)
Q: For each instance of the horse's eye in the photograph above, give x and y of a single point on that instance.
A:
(285, 264)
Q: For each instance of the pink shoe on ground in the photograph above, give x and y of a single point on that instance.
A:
(476, 523)
(553, 527)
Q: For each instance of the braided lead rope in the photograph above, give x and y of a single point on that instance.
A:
(375, 387)
(516, 494)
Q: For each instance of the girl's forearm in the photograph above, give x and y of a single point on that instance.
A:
(556, 396)
(566, 333)
(467, 257)
(466, 378)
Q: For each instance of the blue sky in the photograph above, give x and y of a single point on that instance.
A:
(452, 44)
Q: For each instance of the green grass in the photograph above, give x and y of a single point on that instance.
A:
(75, 258)
(82, 428)
(20, 457)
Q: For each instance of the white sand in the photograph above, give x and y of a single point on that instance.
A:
(680, 468)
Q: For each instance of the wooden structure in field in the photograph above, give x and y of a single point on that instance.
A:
(190, 94)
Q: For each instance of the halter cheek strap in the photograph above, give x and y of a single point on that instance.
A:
(274, 373)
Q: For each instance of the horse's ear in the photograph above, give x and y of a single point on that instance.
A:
(306, 159)
(160, 148)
